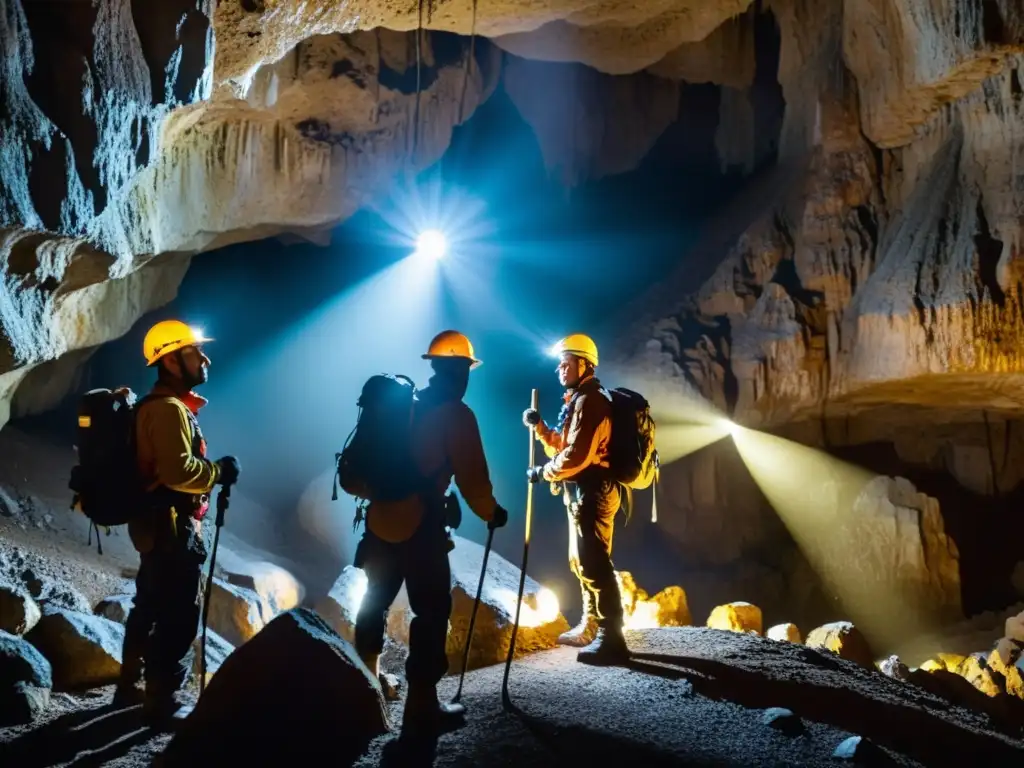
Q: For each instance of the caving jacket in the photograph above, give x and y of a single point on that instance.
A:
(446, 443)
(581, 443)
(172, 462)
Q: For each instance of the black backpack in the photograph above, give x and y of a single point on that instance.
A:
(108, 487)
(631, 452)
(378, 453)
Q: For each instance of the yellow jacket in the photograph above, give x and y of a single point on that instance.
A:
(446, 443)
(171, 458)
(584, 438)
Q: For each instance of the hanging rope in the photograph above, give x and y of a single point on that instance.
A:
(469, 62)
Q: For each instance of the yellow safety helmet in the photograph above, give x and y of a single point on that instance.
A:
(451, 344)
(170, 336)
(577, 344)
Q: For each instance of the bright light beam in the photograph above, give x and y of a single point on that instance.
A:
(432, 243)
(836, 512)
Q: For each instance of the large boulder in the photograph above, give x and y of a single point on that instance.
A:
(844, 640)
(540, 622)
(84, 650)
(668, 608)
(277, 589)
(18, 611)
(116, 608)
(736, 617)
(236, 613)
(25, 681)
(293, 694)
(217, 651)
(789, 633)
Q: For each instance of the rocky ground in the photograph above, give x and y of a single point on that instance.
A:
(692, 695)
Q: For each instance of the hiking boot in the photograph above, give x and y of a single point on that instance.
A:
(164, 711)
(127, 696)
(583, 633)
(608, 649)
(424, 713)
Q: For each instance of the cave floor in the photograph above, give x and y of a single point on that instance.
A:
(692, 696)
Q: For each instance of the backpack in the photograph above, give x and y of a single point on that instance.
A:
(108, 487)
(631, 452)
(377, 458)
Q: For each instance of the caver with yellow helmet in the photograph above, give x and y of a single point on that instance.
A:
(177, 478)
(407, 448)
(578, 451)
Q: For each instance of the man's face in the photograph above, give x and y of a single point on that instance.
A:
(568, 370)
(195, 366)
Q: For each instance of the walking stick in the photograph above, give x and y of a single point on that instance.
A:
(472, 617)
(223, 498)
(505, 700)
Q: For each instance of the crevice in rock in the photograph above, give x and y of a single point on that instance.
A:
(993, 24)
(990, 251)
(1015, 87)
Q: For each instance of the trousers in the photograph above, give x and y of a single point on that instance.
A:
(421, 563)
(591, 507)
(163, 622)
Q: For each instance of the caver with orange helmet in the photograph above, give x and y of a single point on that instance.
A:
(578, 451)
(407, 448)
(177, 477)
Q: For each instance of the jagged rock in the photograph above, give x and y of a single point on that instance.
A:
(83, 650)
(894, 668)
(783, 720)
(790, 633)
(540, 622)
(18, 612)
(1015, 627)
(1007, 659)
(668, 608)
(236, 613)
(296, 670)
(25, 681)
(217, 650)
(975, 670)
(736, 617)
(278, 589)
(340, 606)
(116, 608)
(673, 609)
(844, 640)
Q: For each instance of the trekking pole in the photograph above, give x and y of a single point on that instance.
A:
(223, 498)
(472, 616)
(505, 700)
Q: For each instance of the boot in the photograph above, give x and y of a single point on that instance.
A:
(584, 632)
(164, 711)
(424, 713)
(127, 695)
(608, 649)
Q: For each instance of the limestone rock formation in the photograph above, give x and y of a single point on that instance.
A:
(736, 617)
(295, 671)
(83, 650)
(25, 681)
(236, 613)
(116, 608)
(277, 589)
(789, 633)
(18, 611)
(844, 640)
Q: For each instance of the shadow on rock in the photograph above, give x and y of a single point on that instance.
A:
(104, 733)
(906, 727)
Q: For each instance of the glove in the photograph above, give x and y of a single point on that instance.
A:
(499, 519)
(229, 470)
(535, 474)
(531, 417)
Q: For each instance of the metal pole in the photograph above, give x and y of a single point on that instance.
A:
(472, 617)
(223, 498)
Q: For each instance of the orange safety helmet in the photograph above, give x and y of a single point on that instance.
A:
(169, 336)
(452, 344)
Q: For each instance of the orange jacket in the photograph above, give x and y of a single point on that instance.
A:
(446, 444)
(585, 435)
